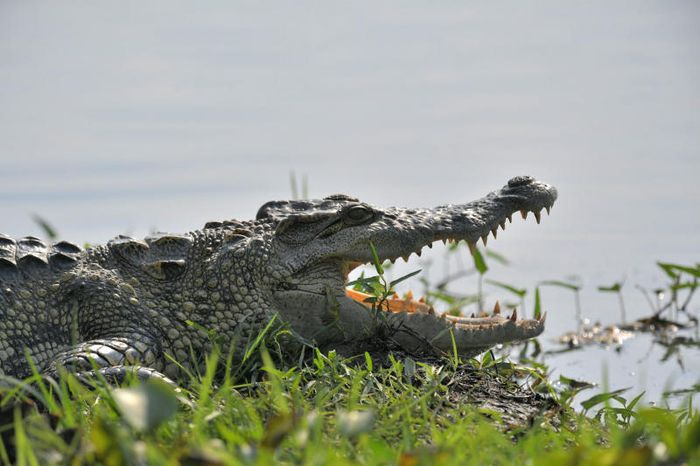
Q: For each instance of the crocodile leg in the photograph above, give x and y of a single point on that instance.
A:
(117, 375)
(114, 358)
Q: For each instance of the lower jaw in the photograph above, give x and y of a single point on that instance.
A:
(395, 304)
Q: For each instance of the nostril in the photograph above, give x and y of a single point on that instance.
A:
(520, 181)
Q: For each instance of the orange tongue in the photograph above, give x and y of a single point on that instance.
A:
(394, 303)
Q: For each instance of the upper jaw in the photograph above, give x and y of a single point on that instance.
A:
(402, 232)
(475, 220)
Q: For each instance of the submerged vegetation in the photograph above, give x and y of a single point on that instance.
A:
(382, 407)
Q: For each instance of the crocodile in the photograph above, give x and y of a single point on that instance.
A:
(150, 305)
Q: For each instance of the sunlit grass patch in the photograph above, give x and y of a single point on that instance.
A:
(333, 410)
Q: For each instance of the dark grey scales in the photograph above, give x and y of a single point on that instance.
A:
(125, 305)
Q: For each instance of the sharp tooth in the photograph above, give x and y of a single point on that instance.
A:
(537, 217)
(405, 258)
(514, 317)
(494, 232)
(472, 247)
(549, 208)
(543, 317)
(444, 240)
(510, 218)
(523, 213)
(503, 224)
(418, 252)
(430, 245)
(497, 308)
(473, 316)
(393, 261)
(485, 238)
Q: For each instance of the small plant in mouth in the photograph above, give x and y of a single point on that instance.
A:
(379, 288)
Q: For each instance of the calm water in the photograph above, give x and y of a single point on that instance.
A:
(124, 118)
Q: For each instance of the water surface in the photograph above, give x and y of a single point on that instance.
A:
(127, 117)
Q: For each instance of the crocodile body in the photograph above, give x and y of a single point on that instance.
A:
(131, 302)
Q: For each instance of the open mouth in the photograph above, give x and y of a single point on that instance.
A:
(482, 319)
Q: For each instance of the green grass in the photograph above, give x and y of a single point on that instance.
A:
(332, 410)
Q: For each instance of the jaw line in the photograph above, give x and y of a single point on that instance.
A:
(408, 306)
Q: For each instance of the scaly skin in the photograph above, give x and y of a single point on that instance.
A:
(127, 304)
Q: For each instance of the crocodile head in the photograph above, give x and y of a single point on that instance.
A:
(317, 243)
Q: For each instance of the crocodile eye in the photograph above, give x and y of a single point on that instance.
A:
(358, 214)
